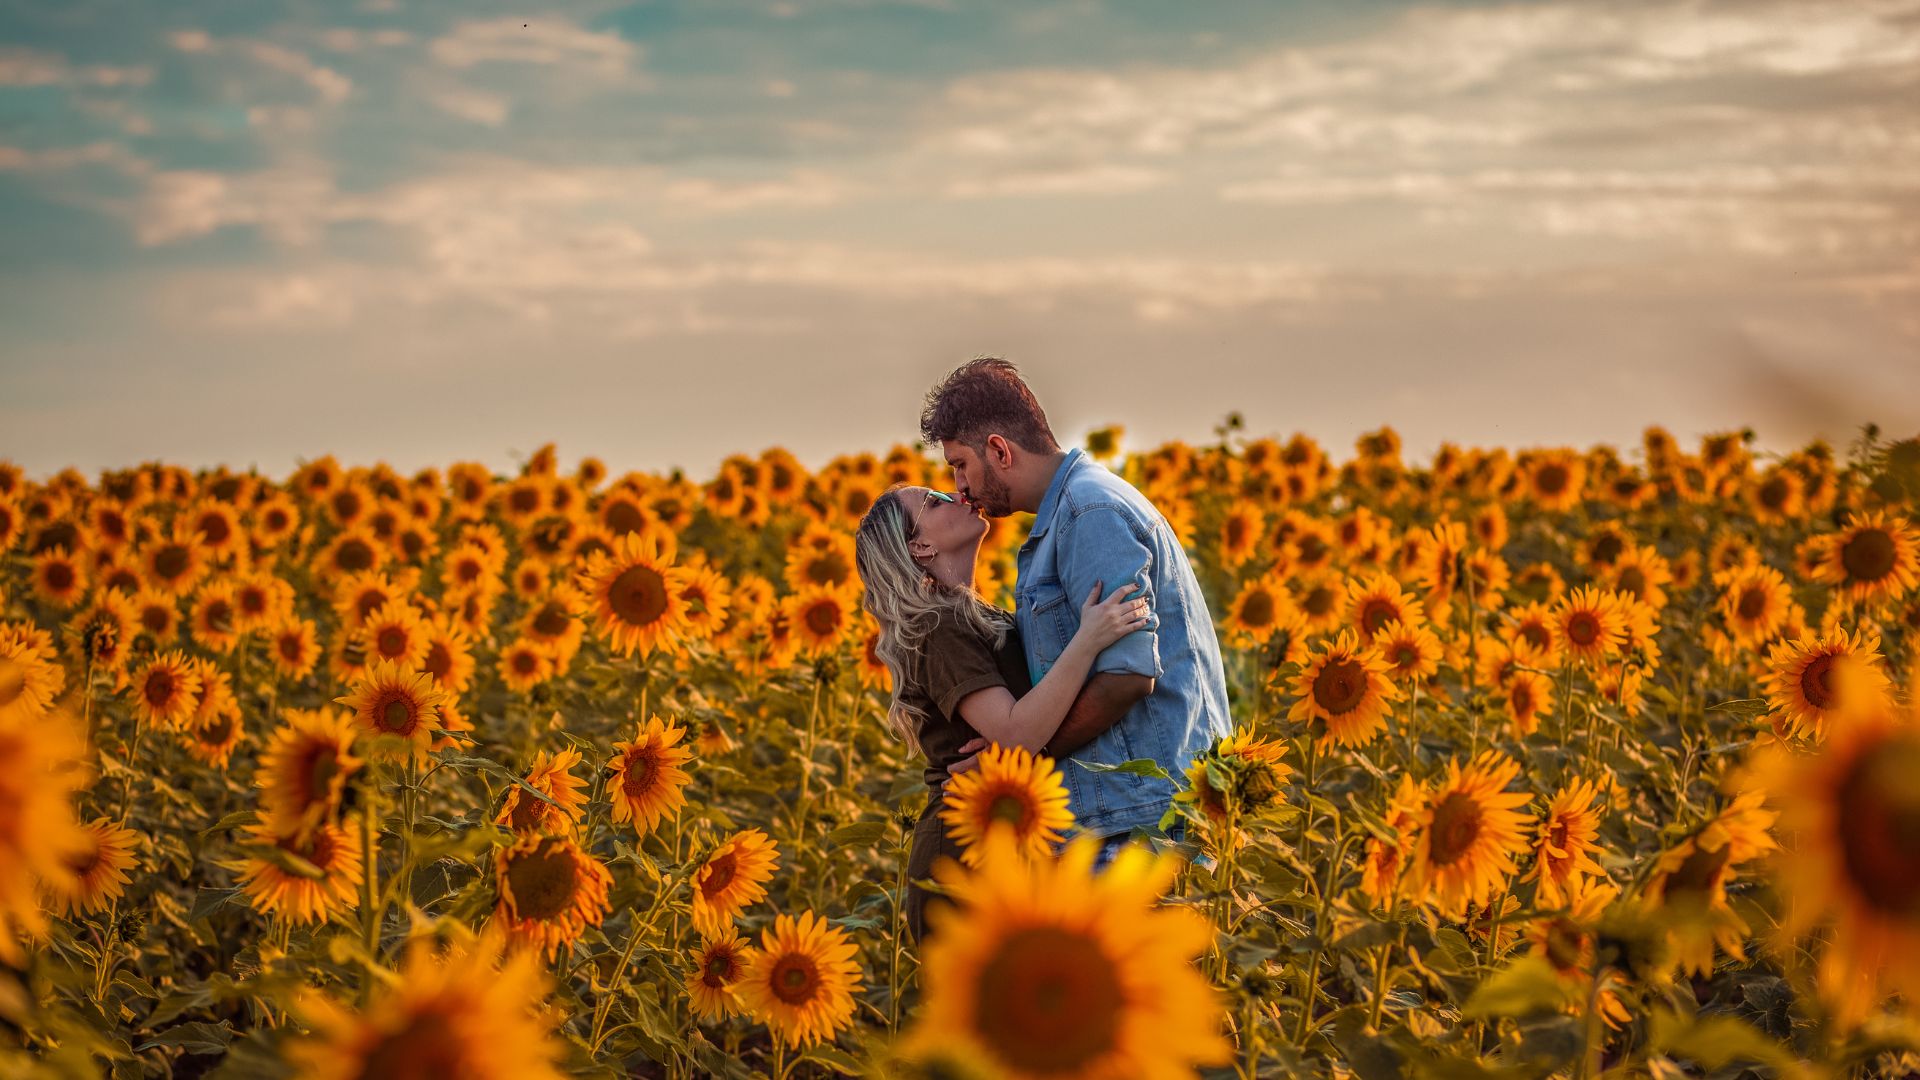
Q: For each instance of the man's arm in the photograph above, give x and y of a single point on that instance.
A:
(1102, 702)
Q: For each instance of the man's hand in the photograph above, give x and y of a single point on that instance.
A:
(971, 748)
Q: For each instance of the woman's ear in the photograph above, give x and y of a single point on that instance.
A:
(921, 548)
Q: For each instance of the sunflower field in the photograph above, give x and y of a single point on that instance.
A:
(1546, 763)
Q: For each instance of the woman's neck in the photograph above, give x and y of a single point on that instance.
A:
(953, 569)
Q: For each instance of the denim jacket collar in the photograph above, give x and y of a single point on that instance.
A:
(1043, 516)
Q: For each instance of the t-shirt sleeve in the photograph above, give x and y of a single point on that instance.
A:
(1104, 547)
(958, 663)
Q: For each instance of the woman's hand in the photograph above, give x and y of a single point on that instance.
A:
(1103, 622)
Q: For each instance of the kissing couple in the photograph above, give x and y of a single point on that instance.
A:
(1109, 654)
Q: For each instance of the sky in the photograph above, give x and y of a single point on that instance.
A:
(423, 231)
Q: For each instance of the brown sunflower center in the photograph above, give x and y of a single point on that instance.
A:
(1816, 682)
(1607, 548)
(1377, 613)
(429, 1045)
(1341, 685)
(638, 596)
(1521, 697)
(1583, 628)
(823, 619)
(439, 661)
(1551, 479)
(542, 881)
(1257, 610)
(391, 641)
(1879, 825)
(721, 870)
(720, 970)
(641, 772)
(215, 529)
(1634, 580)
(1699, 872)
(1049, 1001)
(1868, 555)
(292, 648)
(59, 576)
(828, 568)
(321, 768)
(220, 616)
(1753, 603)
(159, 689)
(795, 979)
(1010, 807)
(354, 555)
(624, 517)
(551, 621)
(1537, 635)
(1318, 601)
(1456, 825)
(395, 715)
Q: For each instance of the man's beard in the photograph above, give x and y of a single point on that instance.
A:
(993, 496)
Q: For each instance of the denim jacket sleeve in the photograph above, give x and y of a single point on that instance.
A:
(1103, 544)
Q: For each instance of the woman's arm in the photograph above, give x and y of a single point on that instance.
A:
(1031, 720)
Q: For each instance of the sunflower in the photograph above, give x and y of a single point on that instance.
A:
(470, 566)
(472, 1013)
(820, 617)
(1753, 603)
(1589, 624)
(1346, 688)
(820, 557)
(42, 766)
(1257, 609)
(98, 870)
(634, 595)
(394, 635)
(351, 551)
(1321, 599)
(449, 655)
(275, 520)
(1526, 697)
(304, 770)
(707, 595)
(1412, 652)
(1010, 785)
(261, 600)
(1850, 810)
(1378, 600)
(733, 877)
(801, 981)
(303, 878)
(29, 681)
(101, 634)
(217, 528)
(212, 738)
(1568, 943)
(1876, 557)
(646, 774)
(1044, 969)
(550, 891)
(173, 564)
(393, 701)
(714, 974)
(12, 523)
(1470, 831)
(59, 579)
(1814, 681)
(1690, 880)
(214, 618)
(1563, 851)
(525, 664)
(551, 774)
(166, 691)
(294, 647)
(1240, 533)
(358, 596)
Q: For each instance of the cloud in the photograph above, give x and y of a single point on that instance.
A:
(30, 67)
(476, 106)
(1073, 180)
(328, 85)
(547, 42)
(56, 159)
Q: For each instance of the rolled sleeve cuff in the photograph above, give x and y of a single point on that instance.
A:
(1136, 654)
(950, 701)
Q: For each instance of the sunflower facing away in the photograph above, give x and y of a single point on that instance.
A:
(552, 775)
(1042, 969)
(1240, 772)
(99, 870)
(1010, 785)
(472, 1013)
(550, 891)
(1471, 830)
(732, 877)
(646, 777)
(1346, 687)
(800, 982)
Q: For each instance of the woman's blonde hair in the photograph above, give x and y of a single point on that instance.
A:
(907, 602)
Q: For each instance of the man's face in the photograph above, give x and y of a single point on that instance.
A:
(976, 480)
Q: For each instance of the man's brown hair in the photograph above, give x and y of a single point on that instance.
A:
(986, 397)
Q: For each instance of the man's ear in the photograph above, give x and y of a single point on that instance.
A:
(1000, 451)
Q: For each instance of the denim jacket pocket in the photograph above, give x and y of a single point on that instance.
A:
(1048, 616)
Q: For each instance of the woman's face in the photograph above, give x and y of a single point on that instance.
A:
(936, 526)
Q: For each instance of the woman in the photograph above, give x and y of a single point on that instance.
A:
(959, 671)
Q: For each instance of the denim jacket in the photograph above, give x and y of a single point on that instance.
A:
(1093, 526)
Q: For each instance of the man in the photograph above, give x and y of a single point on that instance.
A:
(1159, 693)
